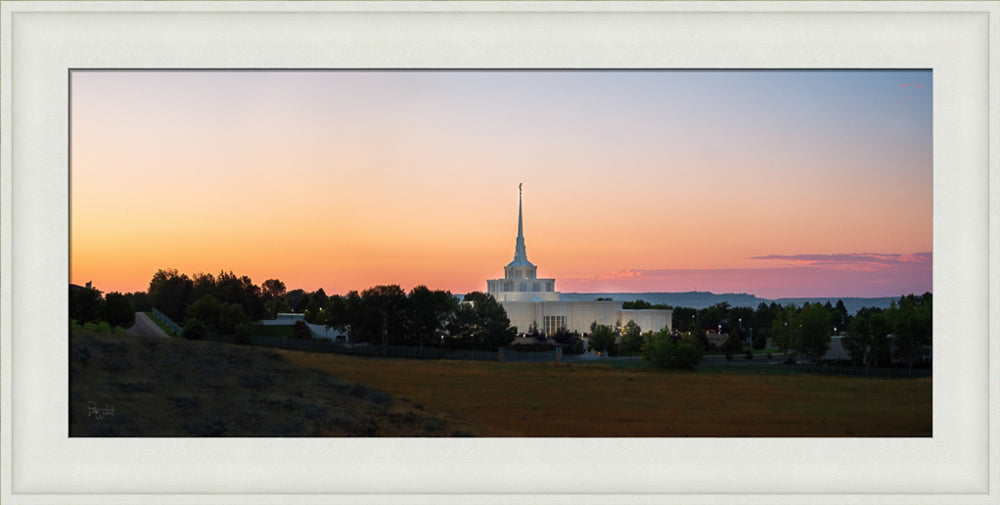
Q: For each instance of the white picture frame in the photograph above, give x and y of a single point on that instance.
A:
(42, 41)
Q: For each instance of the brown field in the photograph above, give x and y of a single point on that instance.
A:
(576, 400)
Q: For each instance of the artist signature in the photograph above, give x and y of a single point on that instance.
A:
(94, 412)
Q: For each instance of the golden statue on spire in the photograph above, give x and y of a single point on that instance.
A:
(519, 186)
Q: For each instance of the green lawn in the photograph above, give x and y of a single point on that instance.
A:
(159, 323)
(272, 331)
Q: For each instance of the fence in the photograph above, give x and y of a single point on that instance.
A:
(392, 351)
(507, 355)
(850, 371)
(372, 350)
(166, 320)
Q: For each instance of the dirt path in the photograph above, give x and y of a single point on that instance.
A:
(146, 327)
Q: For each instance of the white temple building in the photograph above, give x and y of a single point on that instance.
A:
(529, 299)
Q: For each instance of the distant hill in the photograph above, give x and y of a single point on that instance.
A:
(703, 299)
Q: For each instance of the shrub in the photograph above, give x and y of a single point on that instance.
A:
(98, 326)
(570, 341)
(195, 330)
(665, 351)
(602, 338)
(243, 334)
(732, 345)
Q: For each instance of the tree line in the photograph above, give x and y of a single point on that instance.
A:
(872, 336)
(88, 306)
(384, 315)
(387, 315)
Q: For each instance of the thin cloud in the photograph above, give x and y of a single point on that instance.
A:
(853, 261)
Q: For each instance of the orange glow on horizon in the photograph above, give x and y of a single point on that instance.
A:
(345, 180)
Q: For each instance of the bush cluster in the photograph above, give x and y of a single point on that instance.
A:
(667, 351)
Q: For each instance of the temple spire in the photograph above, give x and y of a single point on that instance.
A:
(520, 255)
(520, 226)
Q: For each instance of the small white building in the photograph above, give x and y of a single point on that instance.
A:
(529, 299)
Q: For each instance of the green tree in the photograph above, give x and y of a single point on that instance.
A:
(206, 310)
(631, 338)
(170, 292)
(84, 304)
(602, 338)
(276, 306)
(910, 321)
(223, 318)
(202, 284)
(382, 314)
(637, 305)
(481, 323)
(666, 351)
(699, 337)
(140, 301)
(429, 313)
(570, 341)
(812, 331)
(841, 319)
(315, 302)
(858, 340)
(880, 354)
(272, 288)
(117, 310)
(534, 332)
(231, 319)
(781, 331)
(683, 317)
(230, 288)
(732, 345)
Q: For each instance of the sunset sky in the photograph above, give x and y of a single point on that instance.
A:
(774, 183)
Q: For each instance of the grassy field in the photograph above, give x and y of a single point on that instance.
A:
(594, 400)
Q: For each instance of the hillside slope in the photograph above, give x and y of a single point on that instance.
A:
(177, 388)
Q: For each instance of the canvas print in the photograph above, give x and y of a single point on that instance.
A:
(500, 253)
